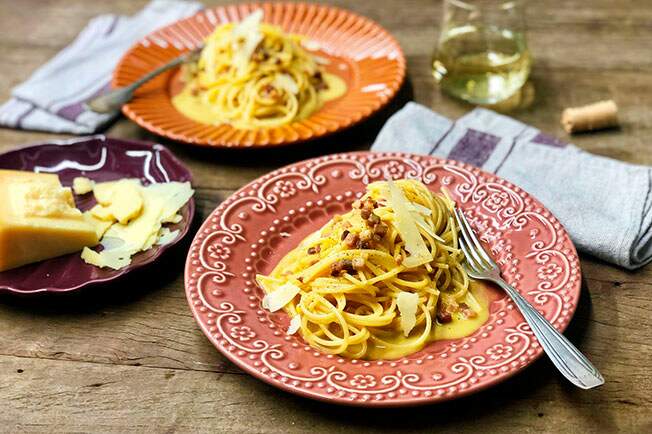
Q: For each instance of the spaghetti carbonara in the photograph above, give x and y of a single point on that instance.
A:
(252, 75)
(380, 281)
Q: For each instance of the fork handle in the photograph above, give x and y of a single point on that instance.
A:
(568, 359)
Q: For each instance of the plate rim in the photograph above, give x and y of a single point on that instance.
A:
(410, 402)
(5, 289)
(396, 84)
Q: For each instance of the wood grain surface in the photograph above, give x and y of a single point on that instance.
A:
(129, 356)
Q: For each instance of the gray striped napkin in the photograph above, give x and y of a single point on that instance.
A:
(604, 204)
(52, 98)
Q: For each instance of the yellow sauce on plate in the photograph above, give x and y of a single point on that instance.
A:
(198, 109)
(456, 329)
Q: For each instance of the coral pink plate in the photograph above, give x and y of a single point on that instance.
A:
(255, 227)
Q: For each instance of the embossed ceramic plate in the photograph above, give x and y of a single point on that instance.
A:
(361, 52)
(100, 159)
(253, 229)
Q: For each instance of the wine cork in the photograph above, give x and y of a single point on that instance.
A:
(596, 116)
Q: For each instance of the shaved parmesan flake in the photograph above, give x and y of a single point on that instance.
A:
(420, 208)
(246, 37)
(176, 195)
(295, 324)
(111, 259)
(287, 83)
(166, 236)
(278, 299)
(420, 221)
(471, 301)
(81, 185)
(407, 303)
(103, 191)
(174, 219)
(158, 203)
(112, 243)
(407, 228)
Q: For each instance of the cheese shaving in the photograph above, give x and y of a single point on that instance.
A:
(101, 212)
(295, 324)
(115, 260)
(246, 37)
(174, 219)
(166, 236)
(81, 185)
(407, 303)
(420, 208)
(111, 243)
(284, 294)
(407, 228)
(159, 203)
(103, 191)
(286, 83)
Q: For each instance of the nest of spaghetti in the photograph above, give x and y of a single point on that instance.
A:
(380, 280)
(255, 75)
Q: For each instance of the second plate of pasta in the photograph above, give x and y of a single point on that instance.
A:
(266, 74)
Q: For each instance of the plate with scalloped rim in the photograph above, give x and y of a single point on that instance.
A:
(255, 227)
(359, 51)
(101, 159)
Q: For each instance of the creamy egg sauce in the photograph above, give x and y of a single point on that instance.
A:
(196, 107)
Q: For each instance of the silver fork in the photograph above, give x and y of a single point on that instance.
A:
(115, 99)
(568, 359)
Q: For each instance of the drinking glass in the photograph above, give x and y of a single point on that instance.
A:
(482, 55)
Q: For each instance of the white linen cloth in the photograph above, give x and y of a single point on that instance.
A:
(604, 204)
(52, 98)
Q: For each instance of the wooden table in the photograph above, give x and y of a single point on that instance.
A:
(130, 356)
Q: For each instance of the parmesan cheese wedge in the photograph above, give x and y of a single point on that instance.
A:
(407, 303)
(407, 228)
(284, 294)
(38, 219)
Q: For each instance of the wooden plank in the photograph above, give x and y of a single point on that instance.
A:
(555, 90)
(42, 395)
(138, 321)
(129, 357)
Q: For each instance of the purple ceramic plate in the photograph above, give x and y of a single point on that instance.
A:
(101, 159)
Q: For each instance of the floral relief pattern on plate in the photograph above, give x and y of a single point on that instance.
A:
(255, 227)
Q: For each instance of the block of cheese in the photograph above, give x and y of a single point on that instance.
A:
(38, 219)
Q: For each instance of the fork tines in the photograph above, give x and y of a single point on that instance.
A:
(477, 257)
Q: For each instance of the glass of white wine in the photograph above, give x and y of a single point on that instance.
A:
(482, 55)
